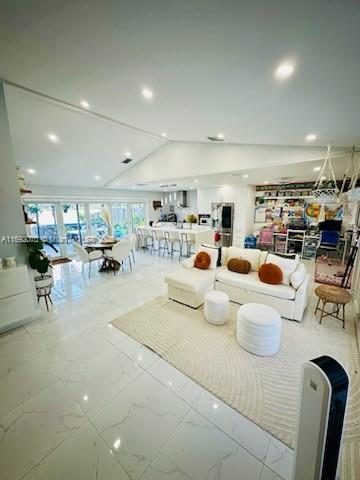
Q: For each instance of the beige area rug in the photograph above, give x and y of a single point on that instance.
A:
(264, 389)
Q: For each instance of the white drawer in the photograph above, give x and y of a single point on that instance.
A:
(14, 281)
(15, 309)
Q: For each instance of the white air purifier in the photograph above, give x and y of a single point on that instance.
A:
(324, 392)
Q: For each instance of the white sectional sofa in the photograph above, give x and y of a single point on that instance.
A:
(189, 285)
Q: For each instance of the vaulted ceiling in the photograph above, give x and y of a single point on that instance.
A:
(209, 64)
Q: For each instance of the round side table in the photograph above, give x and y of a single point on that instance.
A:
(339, 297)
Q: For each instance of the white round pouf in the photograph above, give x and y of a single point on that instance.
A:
(258, 329)
(216, 307)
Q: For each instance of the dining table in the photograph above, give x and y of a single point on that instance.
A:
(105, 267)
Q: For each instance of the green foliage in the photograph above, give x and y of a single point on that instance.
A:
(37, 260)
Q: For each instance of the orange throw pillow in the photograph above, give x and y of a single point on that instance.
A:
(270, 273)
(202, 260)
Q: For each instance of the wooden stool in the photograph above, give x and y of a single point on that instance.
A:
(339, 297)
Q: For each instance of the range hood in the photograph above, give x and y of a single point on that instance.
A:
(181, 198)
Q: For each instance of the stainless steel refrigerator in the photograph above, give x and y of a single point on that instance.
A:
(222, 215)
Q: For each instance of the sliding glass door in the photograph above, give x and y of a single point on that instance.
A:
(120, 219)
(137, 215)
(62, 224)
(74, 225)
(98, 226)
(46, 226)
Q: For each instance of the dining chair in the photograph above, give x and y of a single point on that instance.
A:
(120, 253)
(133, 240)
(87, 257)
(139, 238)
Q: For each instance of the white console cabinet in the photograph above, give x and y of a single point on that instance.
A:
(16, 297)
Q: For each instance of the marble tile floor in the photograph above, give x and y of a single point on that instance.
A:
(81, 400)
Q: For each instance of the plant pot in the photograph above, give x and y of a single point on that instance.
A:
(43, 281)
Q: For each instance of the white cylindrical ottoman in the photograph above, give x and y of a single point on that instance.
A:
(258, 329)
(216, 307)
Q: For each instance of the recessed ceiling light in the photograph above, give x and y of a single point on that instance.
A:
(117, 444)
(284, 71)
(127, 154)
(31, 170)
(164, 134)
(311, 137)
(53, 137)
(220, 136)
(97, 177)
(266, 182)
(147, 93)
(316, 169)
(245, 175)
(85, 104)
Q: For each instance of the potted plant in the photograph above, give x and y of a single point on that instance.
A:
(39, 261)
(191, 218)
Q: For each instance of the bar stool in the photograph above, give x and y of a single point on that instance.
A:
(152, 241)
(164, 243)
(185, 240)
(174, 242)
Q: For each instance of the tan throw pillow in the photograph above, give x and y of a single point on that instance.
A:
(202, 260)
(239, 265)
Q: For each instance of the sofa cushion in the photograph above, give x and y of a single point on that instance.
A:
(202, 260)
(252, 255)
(298, 276)
(287, 265)
(239, 265)
(252, 282)
(270, 273)
(191, 280)
(217, 249)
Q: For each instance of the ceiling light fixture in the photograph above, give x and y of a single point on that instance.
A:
(147, 93)
(265, 182)
(284, 70)
(31, 170)
(53, 137)
(316, 169)
(220, 136)
(311, 137)
(245, 175)
(85, 104)
(127, 154)
(97, 177)
(164, 134)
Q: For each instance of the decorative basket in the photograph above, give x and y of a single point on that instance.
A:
(326, 191)
(326, 195)
(354, 195)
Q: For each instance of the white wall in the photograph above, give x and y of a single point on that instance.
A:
(76, 194)
(243, 199)
(190, 159)
(11, 216)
